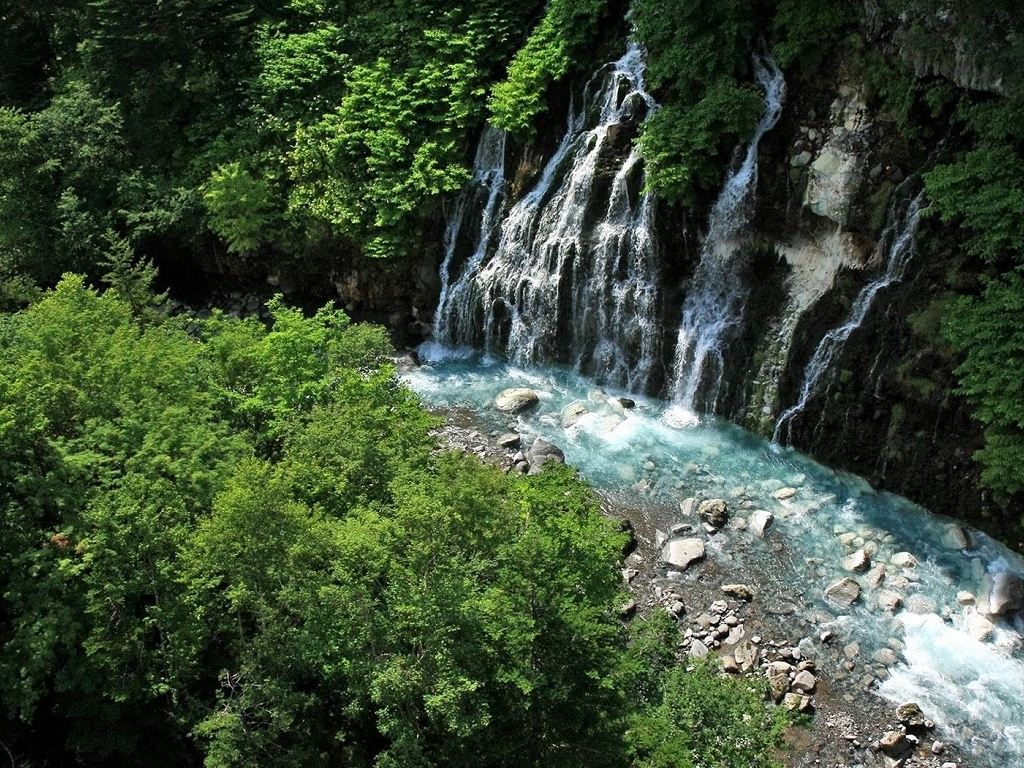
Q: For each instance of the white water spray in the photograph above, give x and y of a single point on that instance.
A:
(574, 274)
(714, 304)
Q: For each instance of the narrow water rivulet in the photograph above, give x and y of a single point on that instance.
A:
(922, 651)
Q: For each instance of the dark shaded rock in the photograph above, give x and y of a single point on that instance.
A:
(542, 452)
(714, 511)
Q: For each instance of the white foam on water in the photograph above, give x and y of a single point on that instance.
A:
(970, 688)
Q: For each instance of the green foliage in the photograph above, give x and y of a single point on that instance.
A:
(391, 147)
(698, 53)
(241, 208)
(987, 331)
(705, 719)
(567, 28)
(681, 145)
(804, 32)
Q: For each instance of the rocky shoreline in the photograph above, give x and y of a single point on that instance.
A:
(687, 570)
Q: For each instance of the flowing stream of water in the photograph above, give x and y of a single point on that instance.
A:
(923, 651)
(897, 243)
(713, 308)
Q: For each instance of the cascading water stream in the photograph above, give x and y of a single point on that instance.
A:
(898, 243)
(488, 184)
(714, 303)
(574, 273)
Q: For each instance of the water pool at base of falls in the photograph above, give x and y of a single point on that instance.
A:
(658, 455)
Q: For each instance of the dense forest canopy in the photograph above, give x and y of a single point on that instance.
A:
(238, 545)
(229, 545)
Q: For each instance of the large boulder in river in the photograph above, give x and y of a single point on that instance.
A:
(1007, 594)
(541, 452)
(844, 592)
(760, 521)
(682, 553)
(714, 511)
(516, 400)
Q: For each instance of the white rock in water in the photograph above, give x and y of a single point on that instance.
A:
(784, 493)
(964, 597)
(979, 628)
(857, 562)
(921, 604)
(573, 413)
(761, 521)
(1007, 594)
(682, 553)
(515, 400)
(875, 576)
(889, 600)
(844, 592)
(904, 560)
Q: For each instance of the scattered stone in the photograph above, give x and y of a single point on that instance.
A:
(889, 600)
(886, 657)
(921, 604)
(625, 403)
(804, 682)
(857, 562)
(747, 656)
(844, 592)
(522, 467)
(904, 560)
(686, 506)
(761, 521)
(800, 160)
(964, 597)
(680, 528)
(677, 608)
(729, 665)
(682, 553)
(516, 400)
(542, 452)
(628, 609)
(911, 716)
(826, 636)
(1007, 594)
(714, 511)
(698, 650)
(735, 635)
(738, 591)
(628, 574)
(719, 607)
(979, 628)
(778, 679)
(796, 702)
(509, 440)
(894, 744)
(785, 493)
(938, 747)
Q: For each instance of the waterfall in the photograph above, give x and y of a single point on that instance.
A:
(574, 275)
(714, 304)
(897, 242)
(488, 184)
